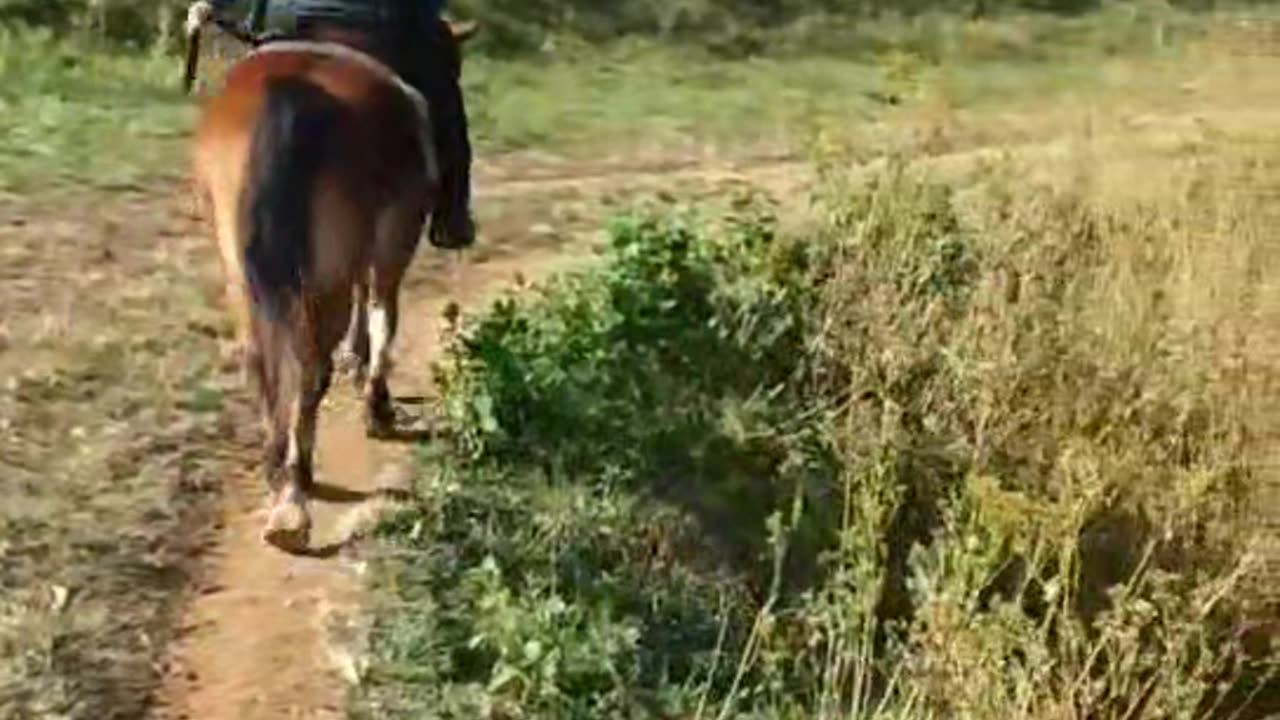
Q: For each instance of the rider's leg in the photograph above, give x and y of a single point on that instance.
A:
(431, 64)
(454, 134)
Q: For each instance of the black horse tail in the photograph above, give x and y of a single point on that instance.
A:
(293, 140)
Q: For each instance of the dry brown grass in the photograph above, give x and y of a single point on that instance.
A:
(1110, 390)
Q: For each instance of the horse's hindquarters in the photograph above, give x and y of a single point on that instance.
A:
(308, 164)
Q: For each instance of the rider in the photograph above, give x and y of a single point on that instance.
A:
(415, 37)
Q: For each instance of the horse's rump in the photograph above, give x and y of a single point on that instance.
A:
(303, 139)
(346, 53)
(385, 116)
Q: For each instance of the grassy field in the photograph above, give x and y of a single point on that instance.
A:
(1038, 376)
(73, 115)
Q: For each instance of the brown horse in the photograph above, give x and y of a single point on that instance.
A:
(316, 164)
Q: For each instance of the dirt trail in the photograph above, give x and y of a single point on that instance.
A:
(258, 638)
(256, 642)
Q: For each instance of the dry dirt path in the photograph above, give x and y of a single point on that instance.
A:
(258, 630)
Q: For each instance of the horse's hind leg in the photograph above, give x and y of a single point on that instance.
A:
(355, 346)
(275, 440)
(220, 198)
(328, 307)
(289, 524)
(398, 234)
(384, 318)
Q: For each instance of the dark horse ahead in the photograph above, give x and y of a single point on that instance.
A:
(317, 166)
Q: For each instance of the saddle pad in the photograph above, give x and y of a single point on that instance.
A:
(345, 52)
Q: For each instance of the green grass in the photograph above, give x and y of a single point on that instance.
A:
(73, 116)
(638, 95)
(75, 113)
(624, 100)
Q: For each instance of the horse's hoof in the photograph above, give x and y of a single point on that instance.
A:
(378, 426)
(379, 415)
(288, 527)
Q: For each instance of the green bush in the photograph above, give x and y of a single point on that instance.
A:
(589, 546)
(607, 376)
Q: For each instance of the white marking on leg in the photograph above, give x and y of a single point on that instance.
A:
(288, 522)
(358, 329)
(379, 335)
(301, 435)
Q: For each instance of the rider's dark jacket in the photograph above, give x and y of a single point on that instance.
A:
(370, 14)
